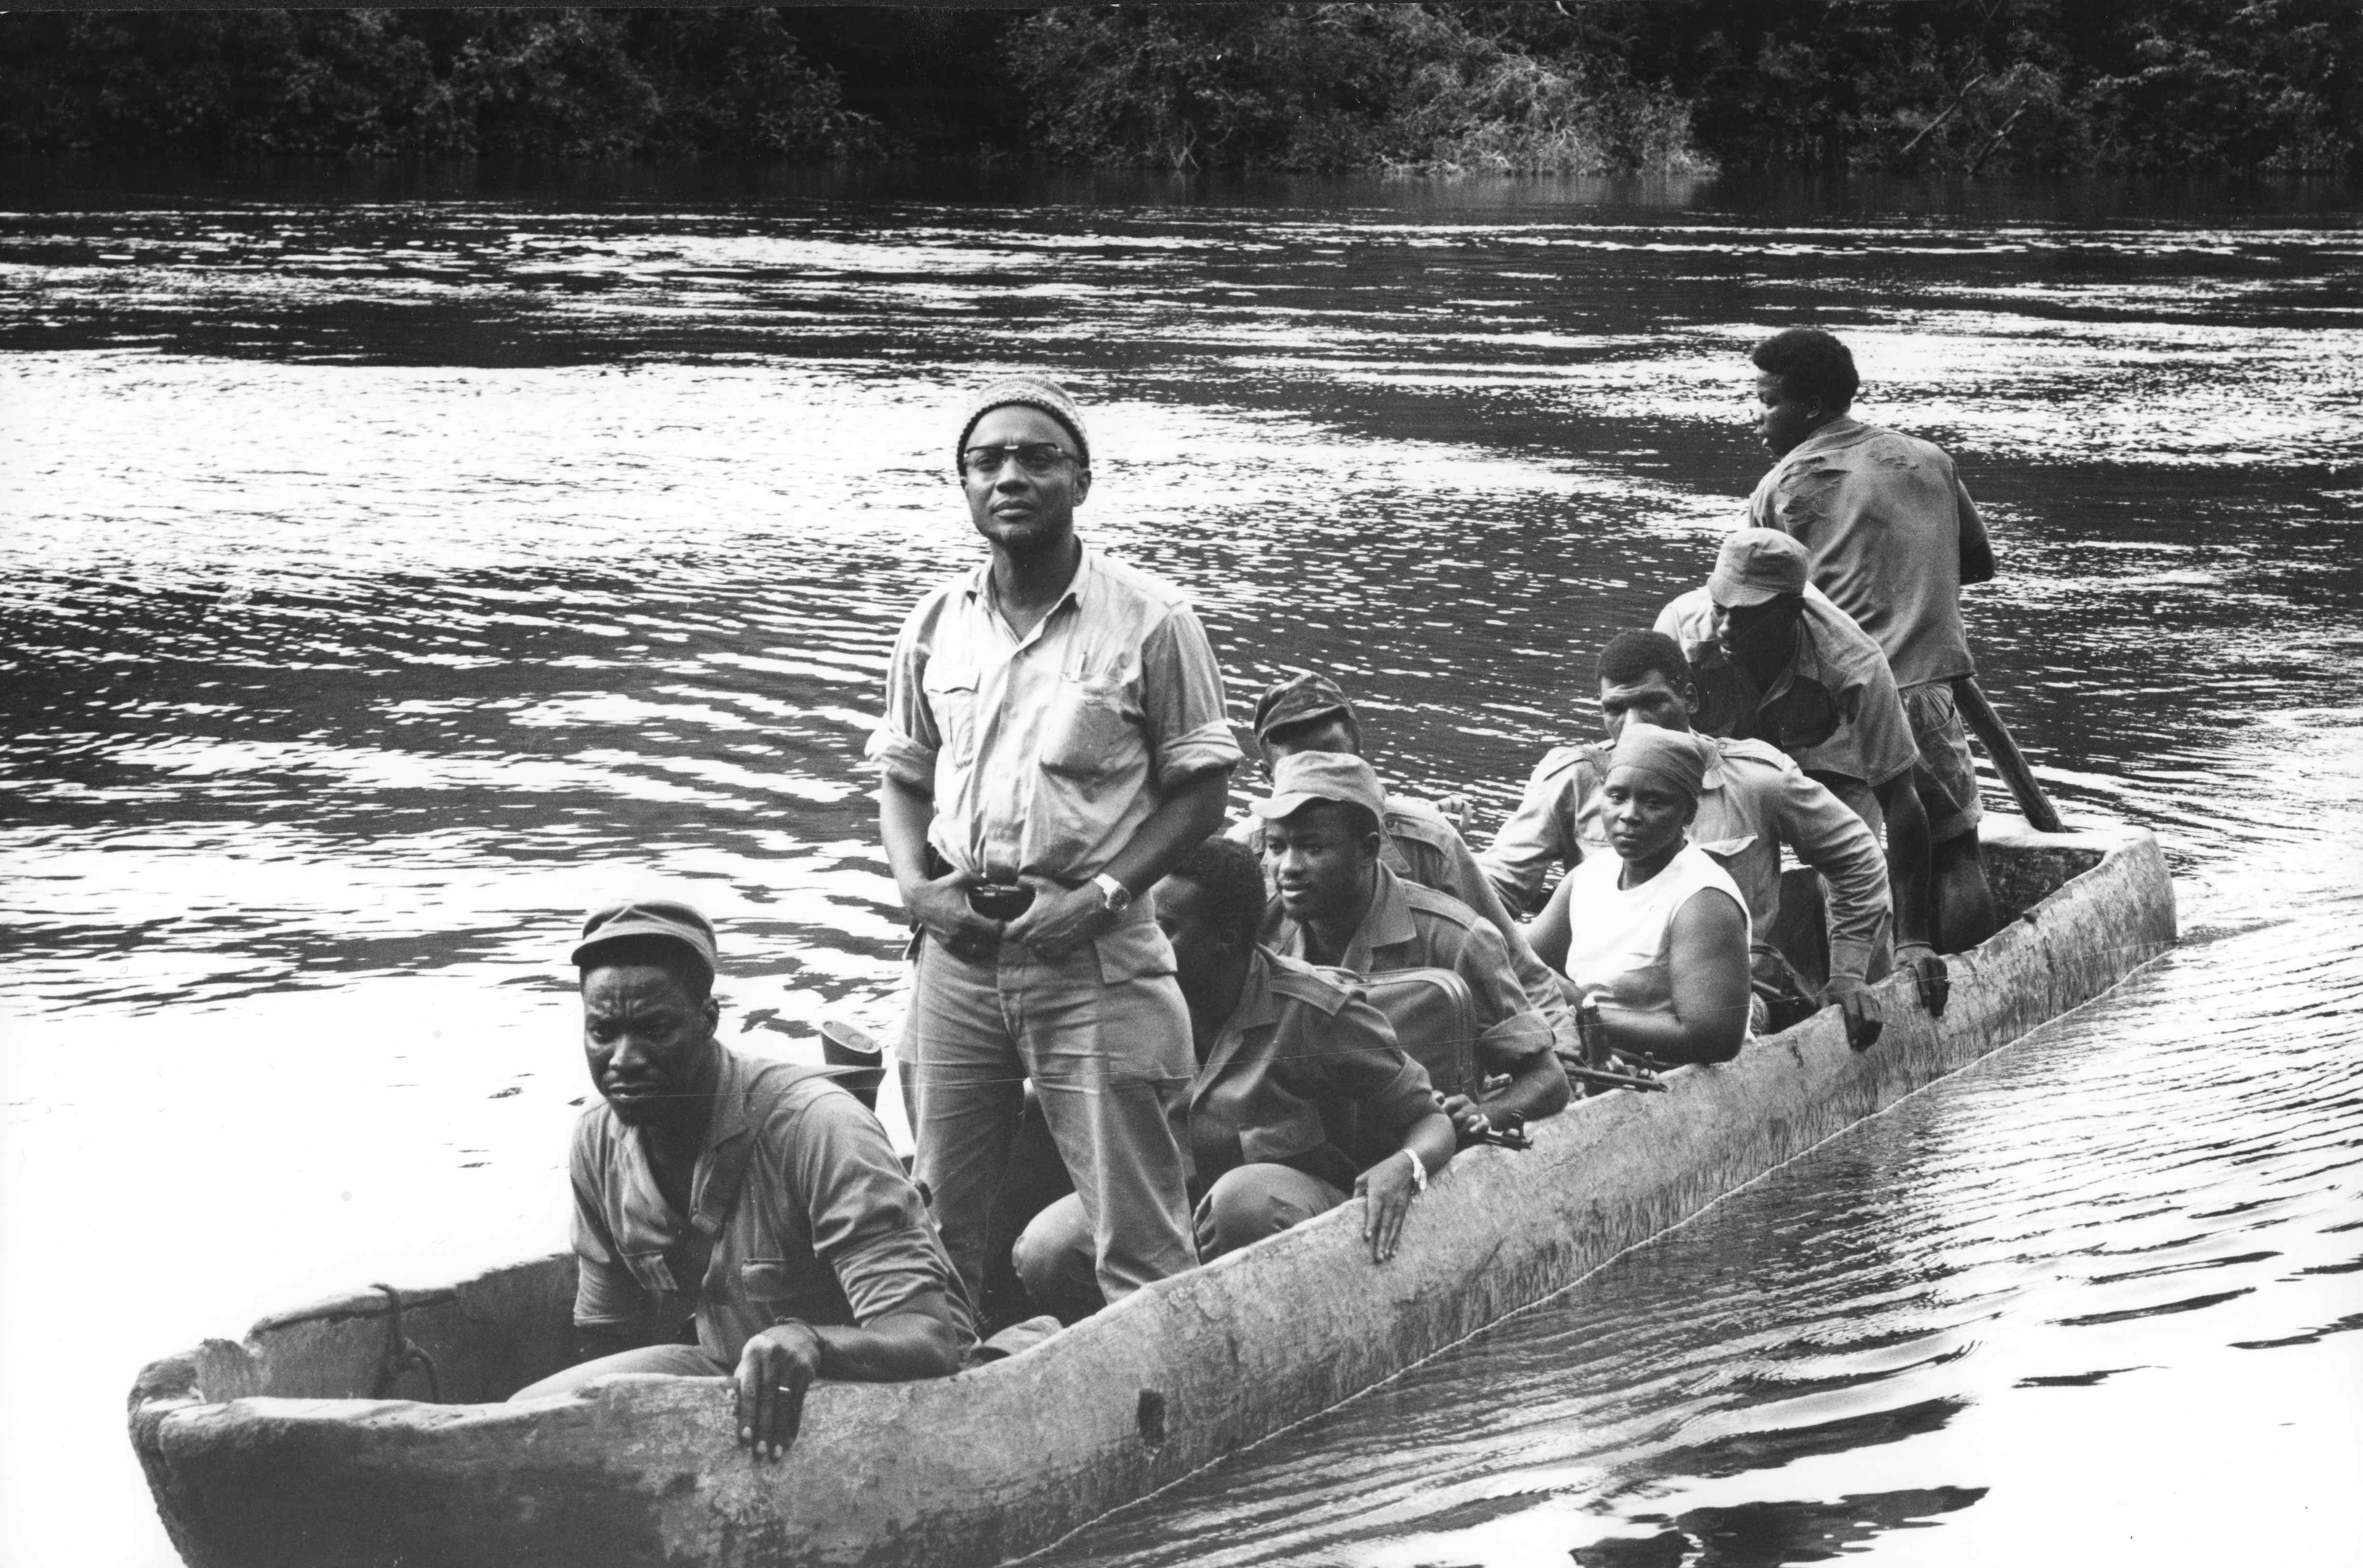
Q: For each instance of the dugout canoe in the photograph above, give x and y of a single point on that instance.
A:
(272, 1453)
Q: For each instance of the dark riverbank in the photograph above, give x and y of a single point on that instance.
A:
(1668, 87)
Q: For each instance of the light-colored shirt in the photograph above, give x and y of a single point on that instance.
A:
(1422, 846)
(824, 1228)
(1621, 939)
(1045, 753)
(1881, 516)
(1833, 707)
(1754, 800)
(1411, 927)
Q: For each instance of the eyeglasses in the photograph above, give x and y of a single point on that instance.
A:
(1036, 457)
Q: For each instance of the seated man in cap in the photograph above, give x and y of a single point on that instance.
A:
(1338, 904)
(758, 1198)
(1772, 658)
(1307, 713)
(1752, 800)
(1286, 1056)
(1654, 936)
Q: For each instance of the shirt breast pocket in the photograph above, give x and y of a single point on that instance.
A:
(951, 698)
(1090, 729)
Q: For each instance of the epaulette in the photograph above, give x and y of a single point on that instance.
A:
(1444, 905)
(1300, 981)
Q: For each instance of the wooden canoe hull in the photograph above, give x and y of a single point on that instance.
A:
(258, 1454)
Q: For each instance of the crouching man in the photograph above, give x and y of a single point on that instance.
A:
(1286, 1057)
(757, 1199)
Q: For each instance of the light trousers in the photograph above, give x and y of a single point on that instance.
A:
(1103, 1032)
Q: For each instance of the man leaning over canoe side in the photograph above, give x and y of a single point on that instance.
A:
(1891, 535)
(756, 1198)
(1307, 712)
(1752, 800)
(1338, 904)
(1286, 1056)
(1054, 740)
(1772, 659)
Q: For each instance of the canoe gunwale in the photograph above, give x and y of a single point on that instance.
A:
(671, 1484)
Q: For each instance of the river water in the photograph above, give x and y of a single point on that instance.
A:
(393, 569)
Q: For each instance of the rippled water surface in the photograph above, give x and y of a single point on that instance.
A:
(389, 574)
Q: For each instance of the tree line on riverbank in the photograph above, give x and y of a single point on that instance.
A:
(1573, 86)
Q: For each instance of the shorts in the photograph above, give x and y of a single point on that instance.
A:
(1944, 777)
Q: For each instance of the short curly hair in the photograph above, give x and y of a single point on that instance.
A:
(1230, 880)
(1631, 655)
(1810, 363)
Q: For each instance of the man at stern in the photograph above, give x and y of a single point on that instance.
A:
(1892, 537)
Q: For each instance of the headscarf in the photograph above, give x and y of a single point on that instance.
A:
(1675, 758)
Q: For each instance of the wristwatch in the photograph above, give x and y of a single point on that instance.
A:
(1114, 896)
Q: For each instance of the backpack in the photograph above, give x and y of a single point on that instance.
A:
(1435, 1021)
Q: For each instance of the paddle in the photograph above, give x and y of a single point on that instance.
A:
(2007, 760)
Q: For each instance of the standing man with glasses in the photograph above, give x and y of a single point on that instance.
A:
(1054, 743)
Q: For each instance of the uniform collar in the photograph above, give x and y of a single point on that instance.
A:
(1386, 924)
(1257, 1008)
(646, 1212)
(1844, 430)
(1080, 590)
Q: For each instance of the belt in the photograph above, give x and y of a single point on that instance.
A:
(1000, 900)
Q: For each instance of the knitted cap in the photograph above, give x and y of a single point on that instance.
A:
(1028, 392)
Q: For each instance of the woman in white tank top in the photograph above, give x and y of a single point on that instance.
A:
(1657, 933)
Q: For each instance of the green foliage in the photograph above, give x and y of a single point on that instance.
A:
(378, 83)
(1581, 86)
(1328, 87)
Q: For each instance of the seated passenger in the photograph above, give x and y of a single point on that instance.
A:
(1419, 843)
(1657, 933)
(1773, 660)
(756, 1197)
(1755, 800)
(1339, 903)
(1284, 1054)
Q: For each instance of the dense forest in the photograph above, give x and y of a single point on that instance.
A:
(2238, 87)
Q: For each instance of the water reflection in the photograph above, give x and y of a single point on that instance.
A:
(389, 579)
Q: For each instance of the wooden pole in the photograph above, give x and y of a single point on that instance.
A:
(1983, 718)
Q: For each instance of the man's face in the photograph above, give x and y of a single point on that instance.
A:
(1331, 734)
(1201, 952)
(1643, 816)
(1760, 637)
(648, 1044)
(1652, 699)
(1321, 868)
(1785, 419)
(1022, 511)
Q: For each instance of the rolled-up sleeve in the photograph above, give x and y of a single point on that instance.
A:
(1540, 834)
(906, 742)
(1828, 837)
(866, 1220)
(606, 1294)
(1360, 1055)
(1181, 700)
(1883, 735)
(1509, 1028)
